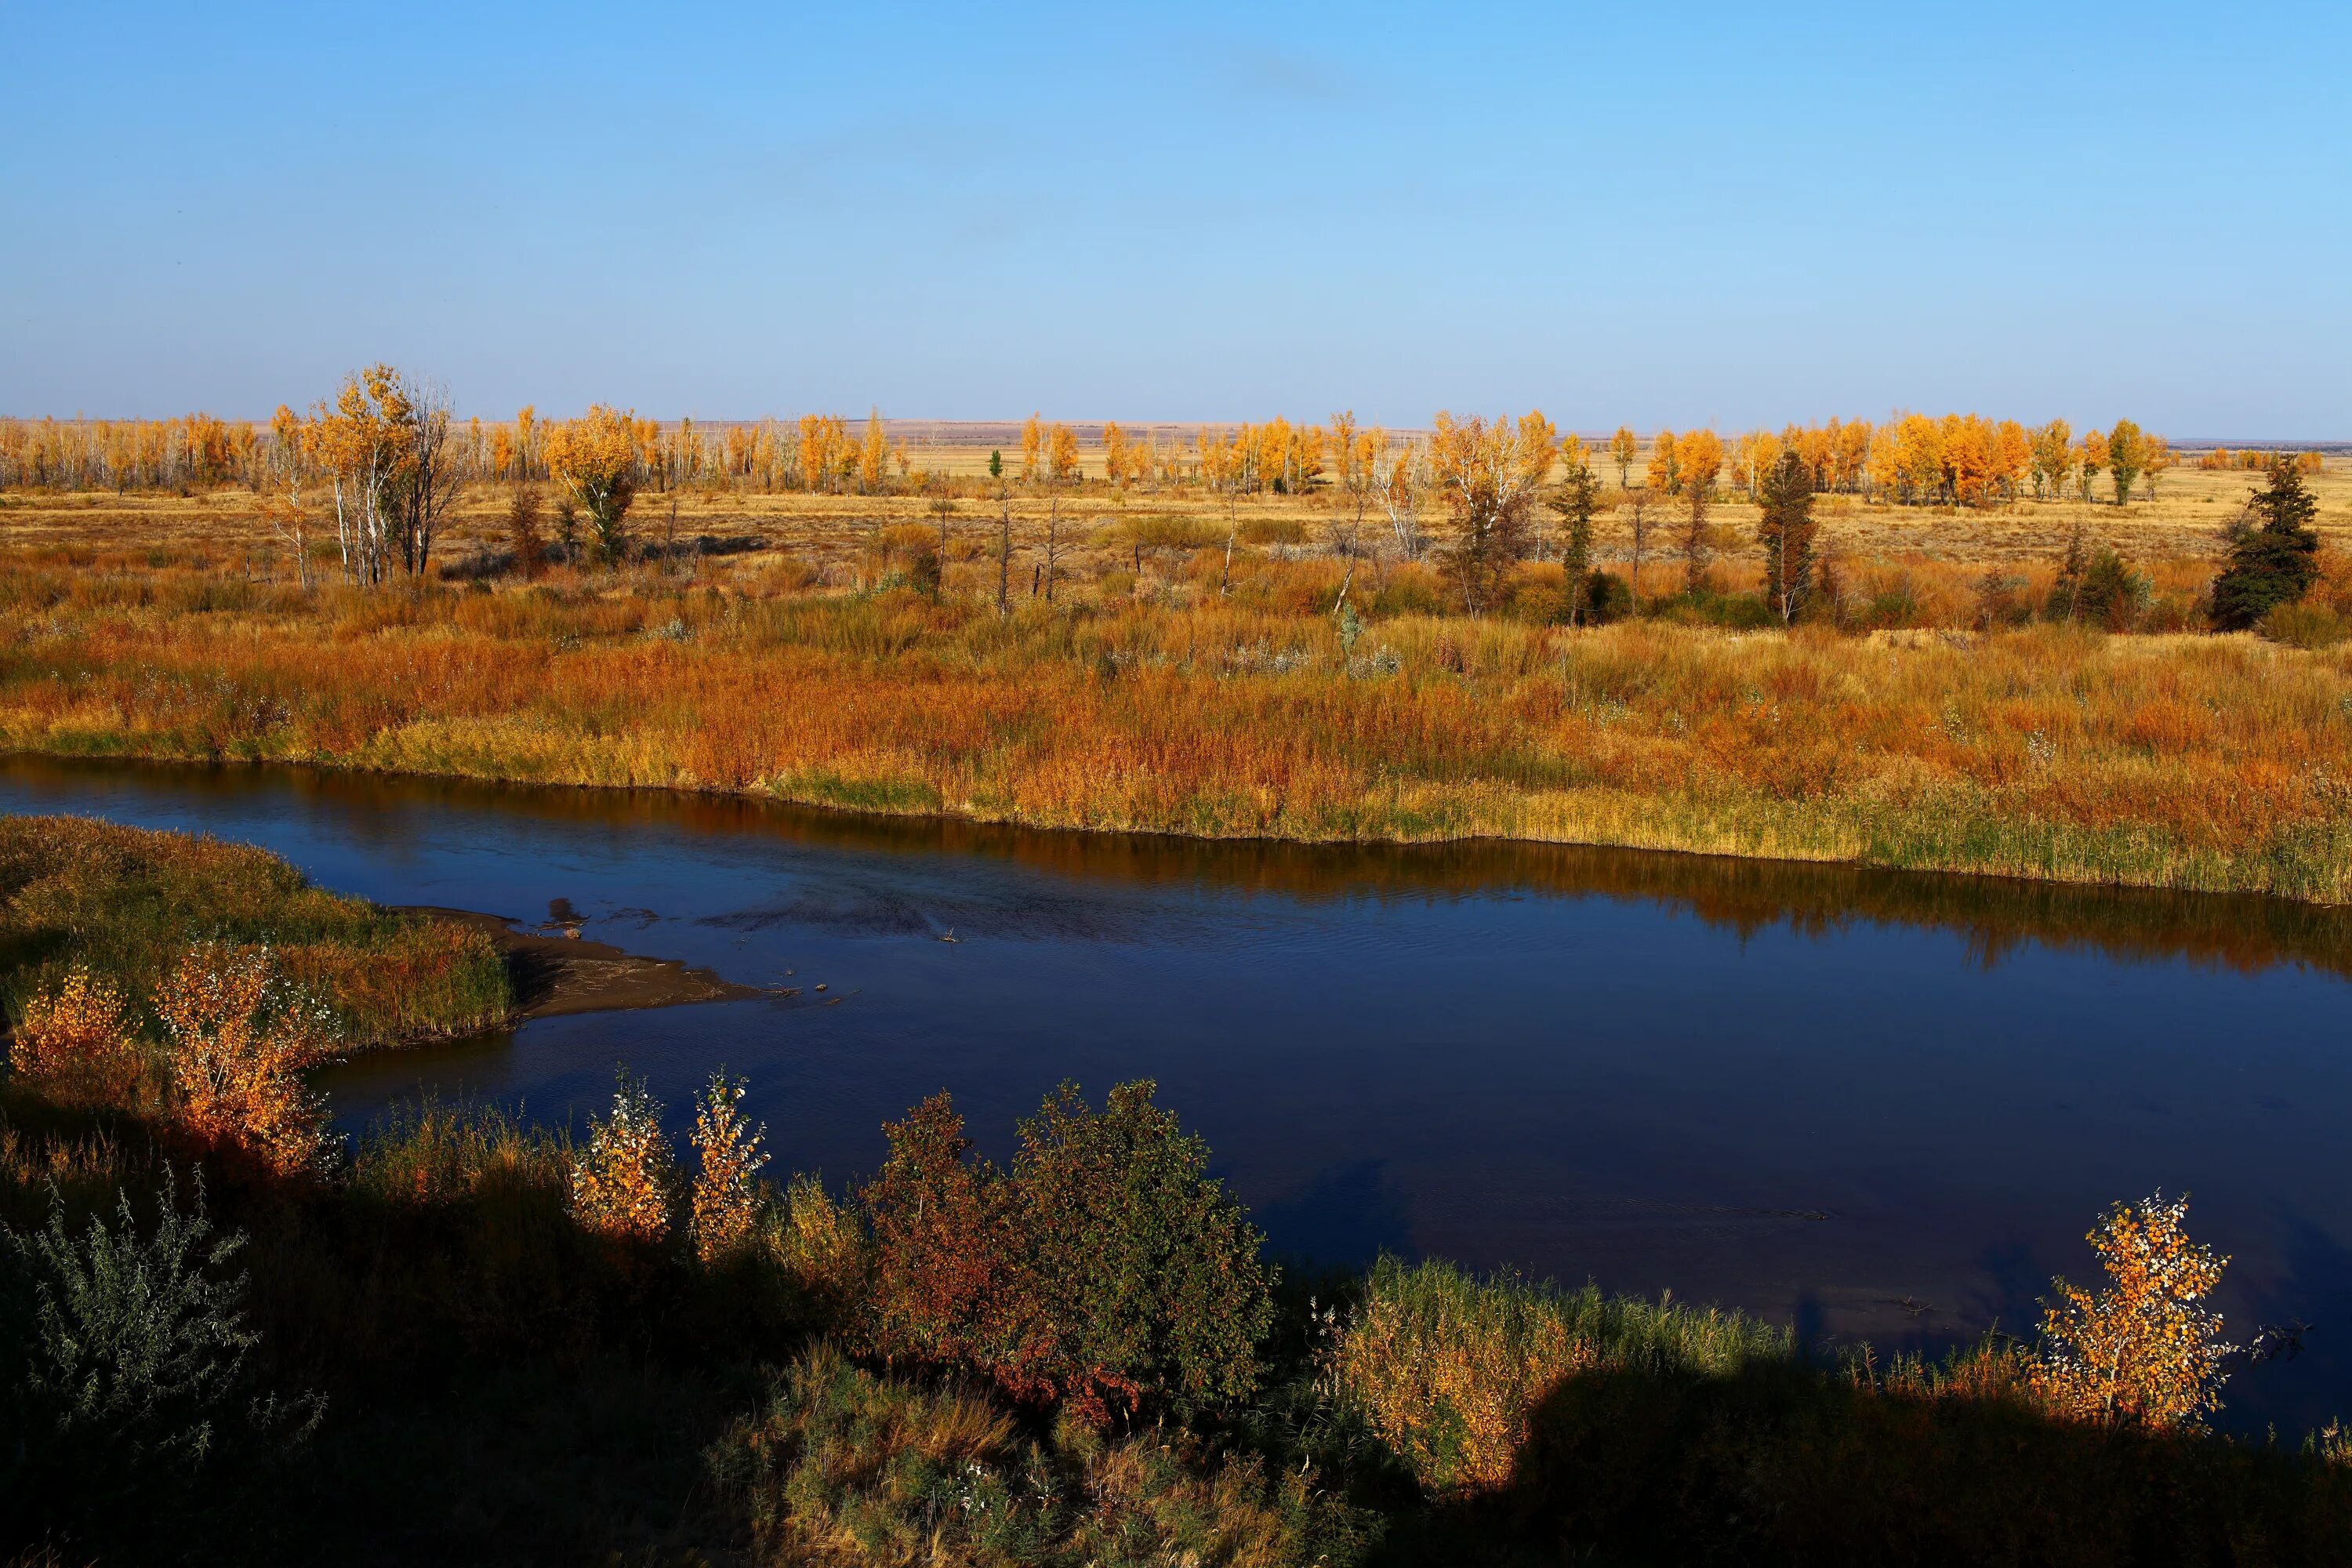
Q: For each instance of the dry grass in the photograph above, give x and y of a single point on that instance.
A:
(2191, 762)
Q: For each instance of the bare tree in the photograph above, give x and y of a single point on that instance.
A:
(1004, 556)
(1637, 507)
(427, 486)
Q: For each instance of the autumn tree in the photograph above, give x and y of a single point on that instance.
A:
(425, 487)
(2091, 457)
(1487, 473)
(1114, 453)
(2053, 457)
(2155, 456)
(873, 454)
(1402, 487)
(291, 445)
(2126, 453)
(2273, 561)
(1786, 530)
(1033, 447)
(1697, 554)
(1636, 504)
(1624, 447)
(2147, 1351)
(1061, 454)
(1666, 471)
(1698, 459)
(594, 458)
(362, 442)
(524, 537)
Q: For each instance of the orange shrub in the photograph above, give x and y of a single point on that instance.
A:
(726, 1199)
(621, 1184)
(74, 1044)
(239, 1037)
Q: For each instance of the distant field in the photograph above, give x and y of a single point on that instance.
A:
(2182, 526)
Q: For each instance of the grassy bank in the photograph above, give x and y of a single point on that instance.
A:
(455, 1364)
(122, 903)
(2193, 763)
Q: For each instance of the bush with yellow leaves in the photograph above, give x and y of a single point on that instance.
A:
(2147, 1351)
(76, 1044)
(725, 1203)
(239, 1035)
(621, 1182)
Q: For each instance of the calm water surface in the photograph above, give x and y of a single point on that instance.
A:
(1873, 1104)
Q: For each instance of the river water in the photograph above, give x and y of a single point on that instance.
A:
(1877, 1105)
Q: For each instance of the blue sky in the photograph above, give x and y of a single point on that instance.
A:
(1667, 216)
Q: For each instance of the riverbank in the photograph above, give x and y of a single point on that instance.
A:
(556, 977)
(122, 904)
(2051, 753)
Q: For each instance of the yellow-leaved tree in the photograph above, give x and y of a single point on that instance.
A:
(594, 458)
(1624, 447)
(2147, 1351)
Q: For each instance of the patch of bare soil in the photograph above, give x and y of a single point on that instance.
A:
(555, 975)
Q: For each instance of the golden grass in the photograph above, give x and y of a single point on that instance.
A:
(2191, 762)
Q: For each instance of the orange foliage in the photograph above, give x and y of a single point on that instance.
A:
(76, 1044)
(2147, 1350)
(621, 1182)
(239, 1037)
(725, 1203)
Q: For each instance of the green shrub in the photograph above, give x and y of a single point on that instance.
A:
(2301, 624)
(1105, 1269)
(125, 1355)
(1137, 1277)
(1607, 597)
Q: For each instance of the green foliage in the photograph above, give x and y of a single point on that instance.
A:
(2274, 561)
(2113, 595)
(1607, 597)
(1786, 529)
(1578, 498)
(1138, 1277)
(995, 464)
(2096, 588)
(1105, 1269)
(126, 1354)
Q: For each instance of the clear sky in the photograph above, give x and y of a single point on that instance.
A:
(1665, 216)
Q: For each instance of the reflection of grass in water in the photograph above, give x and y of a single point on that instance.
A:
(1996, 915)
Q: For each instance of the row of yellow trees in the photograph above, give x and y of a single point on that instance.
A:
(1962, 460)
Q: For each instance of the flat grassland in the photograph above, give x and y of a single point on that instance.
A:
(778, 644)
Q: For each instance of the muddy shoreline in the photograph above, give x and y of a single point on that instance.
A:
(561, 975)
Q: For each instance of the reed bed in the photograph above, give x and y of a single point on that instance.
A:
(2184, 762)
(121, 904)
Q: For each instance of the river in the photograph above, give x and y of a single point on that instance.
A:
(1877, 1105)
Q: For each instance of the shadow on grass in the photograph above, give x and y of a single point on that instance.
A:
(1787, 1463)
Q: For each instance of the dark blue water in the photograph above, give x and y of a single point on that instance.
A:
(1880, 1106)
